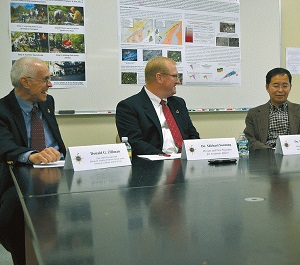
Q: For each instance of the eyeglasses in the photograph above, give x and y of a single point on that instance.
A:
(47, 80)
(175, 76)
(283, 86)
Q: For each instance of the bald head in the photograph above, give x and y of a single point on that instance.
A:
(157, 65)
(24, 67)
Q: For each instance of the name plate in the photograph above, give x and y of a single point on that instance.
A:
(288, 144)
(96, 156)
(209, 149)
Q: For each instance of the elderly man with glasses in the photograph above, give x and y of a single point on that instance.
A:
(29, 134)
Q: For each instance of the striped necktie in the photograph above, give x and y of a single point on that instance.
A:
(172, 125)
(37, 131)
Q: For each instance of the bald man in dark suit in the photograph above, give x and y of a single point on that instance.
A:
(141, 119)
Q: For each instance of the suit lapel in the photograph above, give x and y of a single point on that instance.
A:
(149, 110)
(263, 121)
(47, 109)
(18, 116)
(294, 118)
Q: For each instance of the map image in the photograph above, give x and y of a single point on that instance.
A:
(139, 31)
(168, 32)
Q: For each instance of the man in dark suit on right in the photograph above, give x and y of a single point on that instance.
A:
(277, 117)
(141, 117)
(19, 145)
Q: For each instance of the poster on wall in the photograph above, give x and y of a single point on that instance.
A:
(202, 36)
(55, 32)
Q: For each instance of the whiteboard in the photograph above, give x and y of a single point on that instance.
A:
(260, 52)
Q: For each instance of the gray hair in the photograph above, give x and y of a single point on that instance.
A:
(23, 67)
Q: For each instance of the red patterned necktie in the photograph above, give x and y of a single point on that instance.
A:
(172, 125)
(37, 131)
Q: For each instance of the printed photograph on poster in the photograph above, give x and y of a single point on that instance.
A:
(64, 15)
(66, 43)
(66, 71)
(28, 13)
(29, 42)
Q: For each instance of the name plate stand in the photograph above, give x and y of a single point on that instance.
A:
(209, 149)
(91, 157)
(288, 144)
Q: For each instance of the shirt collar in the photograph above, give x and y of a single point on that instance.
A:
(25, 106)
(154, 99)
(283, 106)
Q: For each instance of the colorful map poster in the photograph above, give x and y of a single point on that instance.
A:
(202, 36)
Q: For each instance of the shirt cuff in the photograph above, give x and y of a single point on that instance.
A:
(24, 158)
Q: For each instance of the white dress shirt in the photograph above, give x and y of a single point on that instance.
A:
(169, 146)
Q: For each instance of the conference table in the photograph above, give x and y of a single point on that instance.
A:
(166, 212)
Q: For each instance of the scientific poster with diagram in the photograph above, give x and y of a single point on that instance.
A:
(202, 36)
(53, 31)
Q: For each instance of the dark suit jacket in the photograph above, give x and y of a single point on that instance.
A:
(13, 134)
(257, 124)
(136, 118)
